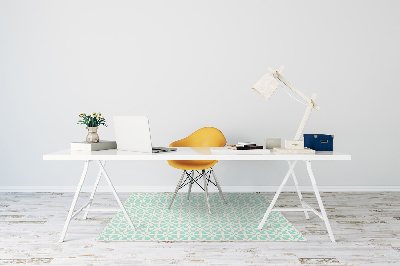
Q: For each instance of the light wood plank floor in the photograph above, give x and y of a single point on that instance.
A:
(366, 226)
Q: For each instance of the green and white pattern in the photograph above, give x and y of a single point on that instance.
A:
(190, 221)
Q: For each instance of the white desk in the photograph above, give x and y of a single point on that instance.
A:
(194, 154)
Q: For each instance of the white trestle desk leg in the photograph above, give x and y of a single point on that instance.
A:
(321, 205)
(93, 192)
(71, 210)
(260, 226)
(298, 191)
(116, 195)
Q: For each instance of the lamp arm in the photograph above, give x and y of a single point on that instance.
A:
(293, 88)
(305, 117)
(311, 102)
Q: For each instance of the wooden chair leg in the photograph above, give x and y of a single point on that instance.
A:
(176, 189)
(218, 186)
(190, 184)
(206, 190)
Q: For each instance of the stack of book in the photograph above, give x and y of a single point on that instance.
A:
(240, 148)
(98, 146)
(245, 146)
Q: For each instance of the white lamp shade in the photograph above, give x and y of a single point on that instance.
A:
(266, 86)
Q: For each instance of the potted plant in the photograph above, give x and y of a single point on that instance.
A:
(92, 123)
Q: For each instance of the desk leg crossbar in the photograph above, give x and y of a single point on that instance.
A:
(305, 206)
(86, 207)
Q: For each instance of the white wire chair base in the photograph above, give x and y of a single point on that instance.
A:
(192, 179)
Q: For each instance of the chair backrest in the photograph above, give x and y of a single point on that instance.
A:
(204, 137)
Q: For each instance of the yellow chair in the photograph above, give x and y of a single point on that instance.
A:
(204, 137)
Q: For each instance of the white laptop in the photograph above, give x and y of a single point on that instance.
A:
(133, 134)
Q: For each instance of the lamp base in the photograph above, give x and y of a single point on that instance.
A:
(293, 151)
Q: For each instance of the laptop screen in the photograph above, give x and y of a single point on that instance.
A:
(132, 133)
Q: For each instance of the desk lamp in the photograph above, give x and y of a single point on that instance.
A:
(266, 86)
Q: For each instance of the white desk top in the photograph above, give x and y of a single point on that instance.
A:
(202, 153)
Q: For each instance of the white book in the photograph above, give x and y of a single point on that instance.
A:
(226, 151)
(86, 146)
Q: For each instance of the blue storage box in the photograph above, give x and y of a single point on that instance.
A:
(318, 142)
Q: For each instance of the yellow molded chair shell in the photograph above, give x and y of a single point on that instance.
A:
(204, 137)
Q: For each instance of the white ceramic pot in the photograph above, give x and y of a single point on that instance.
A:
(92, 136)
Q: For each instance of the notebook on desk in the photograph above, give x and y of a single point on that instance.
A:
(133, 134)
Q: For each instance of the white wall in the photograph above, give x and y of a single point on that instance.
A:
(190, 64)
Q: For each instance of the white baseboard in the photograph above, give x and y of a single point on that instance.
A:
(195, 188)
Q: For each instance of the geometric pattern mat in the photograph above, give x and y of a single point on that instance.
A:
(190, 221)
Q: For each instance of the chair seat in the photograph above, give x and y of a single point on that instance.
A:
(192, 164)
